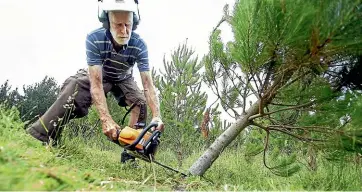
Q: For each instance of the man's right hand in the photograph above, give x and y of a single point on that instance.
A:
(110, 128)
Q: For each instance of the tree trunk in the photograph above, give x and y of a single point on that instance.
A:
(210, 155)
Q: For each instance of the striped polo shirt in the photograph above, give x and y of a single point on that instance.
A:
(117, 66)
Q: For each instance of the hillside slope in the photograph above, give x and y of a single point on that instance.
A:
(77, 165)
(25, 164)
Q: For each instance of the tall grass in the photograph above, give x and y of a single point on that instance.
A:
(238, 172)
(93, 163)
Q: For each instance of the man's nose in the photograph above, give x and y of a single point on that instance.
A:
(123, 29)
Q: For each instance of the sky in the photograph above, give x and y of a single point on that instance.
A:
(47, 37)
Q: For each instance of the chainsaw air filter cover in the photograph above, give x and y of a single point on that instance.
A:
(129, 135)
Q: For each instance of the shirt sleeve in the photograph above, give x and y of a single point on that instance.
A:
(142, 58)
(92, 52)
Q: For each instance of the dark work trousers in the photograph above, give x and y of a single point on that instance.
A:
(74, 101)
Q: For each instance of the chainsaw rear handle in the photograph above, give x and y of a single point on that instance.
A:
(140, 136)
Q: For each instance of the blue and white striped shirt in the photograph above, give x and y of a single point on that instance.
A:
(116, 66)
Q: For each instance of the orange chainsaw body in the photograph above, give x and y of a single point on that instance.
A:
(128, 135)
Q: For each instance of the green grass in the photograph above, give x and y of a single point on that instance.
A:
(233, 170)
(93, 164)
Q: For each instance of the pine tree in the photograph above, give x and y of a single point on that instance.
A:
(38, 97)
(182, 101)
(277, 61)
(10, 98)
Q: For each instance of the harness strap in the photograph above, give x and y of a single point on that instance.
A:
(128, 111)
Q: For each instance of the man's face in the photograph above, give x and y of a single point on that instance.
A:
(121, 26)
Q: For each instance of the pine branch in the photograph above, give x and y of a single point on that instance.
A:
(295, 79)
(243, 95)
(272, 63)
(260, 83)
(282, 104)
(333, 75)
(256, 81)
(227, 103)
(277, 84)
(272, 120)
(226, 17)
(217, 93)
(214, 102)
(271, 93)
(259, 125)
(232, 81)
(244, 98)
(269, 128)
(265, 149)
(296, 136)
(264, 85)
(307, 128)
(247, 83)
(222, 101)
(284, 109)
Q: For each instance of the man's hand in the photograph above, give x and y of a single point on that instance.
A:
(161, 126)
(110, 128)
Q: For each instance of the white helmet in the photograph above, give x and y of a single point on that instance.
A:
(118, 5)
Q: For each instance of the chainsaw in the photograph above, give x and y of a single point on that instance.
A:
(142, 143)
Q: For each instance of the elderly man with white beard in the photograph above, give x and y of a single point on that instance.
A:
(112, 51)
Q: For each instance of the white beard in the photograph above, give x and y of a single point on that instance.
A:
(120, 41)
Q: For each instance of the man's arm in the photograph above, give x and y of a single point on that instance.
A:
(150, 94)
(99, 99)
(149, 88)
(97, 92)
(94, 61)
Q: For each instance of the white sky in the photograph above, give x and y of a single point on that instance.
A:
(47, 37)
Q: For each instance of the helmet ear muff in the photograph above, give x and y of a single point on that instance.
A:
(136, 21)
(103, 18)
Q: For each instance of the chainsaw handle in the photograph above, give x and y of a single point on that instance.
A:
(140, 136)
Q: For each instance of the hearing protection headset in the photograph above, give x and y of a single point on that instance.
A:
(104, 19)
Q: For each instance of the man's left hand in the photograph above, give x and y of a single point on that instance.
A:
(161, 126)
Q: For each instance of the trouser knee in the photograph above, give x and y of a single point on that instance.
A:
(73, 102)
(142, 118)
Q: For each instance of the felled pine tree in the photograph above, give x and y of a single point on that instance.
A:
(272, 76)
(182, 101)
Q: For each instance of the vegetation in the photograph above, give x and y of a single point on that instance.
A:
(83, 164)
(276, 75)
(183, 102)
(290, 81)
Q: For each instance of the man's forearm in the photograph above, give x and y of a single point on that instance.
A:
(97, 93)
(152, 101)
(150, 94)
(100, 103)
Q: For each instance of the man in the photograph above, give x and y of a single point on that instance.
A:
(112, 51)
